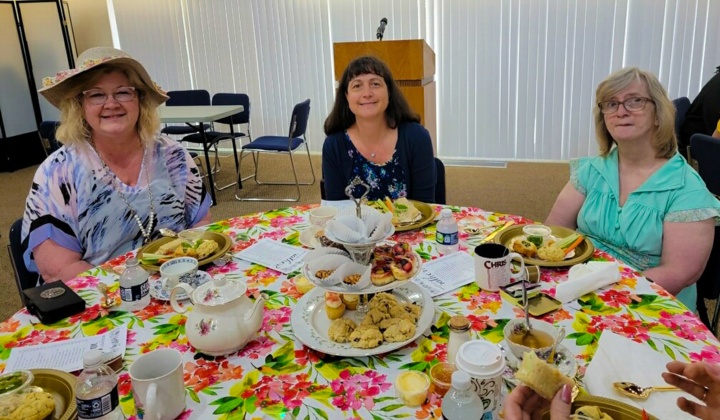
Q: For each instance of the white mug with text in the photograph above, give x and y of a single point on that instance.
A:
(493, 266)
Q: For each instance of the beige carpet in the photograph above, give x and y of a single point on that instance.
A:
(527, 189)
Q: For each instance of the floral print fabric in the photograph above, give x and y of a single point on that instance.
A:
(385, 180)
(275, 374)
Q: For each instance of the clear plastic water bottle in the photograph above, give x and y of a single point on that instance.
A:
(446, 233)
(461, 402)
(134, 286)
(96, 392)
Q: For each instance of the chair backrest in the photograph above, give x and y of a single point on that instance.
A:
(24, 279)
(188, 97)
(708, 285)
(440, 183)
(47, 134)
(299, 119)
(706, 150)
(682, 105)
(234, 99)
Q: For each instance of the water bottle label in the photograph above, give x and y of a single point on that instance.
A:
(135, 293)
(98, 407)
(446, 238)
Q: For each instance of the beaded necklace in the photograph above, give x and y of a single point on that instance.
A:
(146, 231)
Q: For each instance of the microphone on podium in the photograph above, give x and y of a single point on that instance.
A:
(381, 28)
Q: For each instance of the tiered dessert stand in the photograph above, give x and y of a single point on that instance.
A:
(310, 322)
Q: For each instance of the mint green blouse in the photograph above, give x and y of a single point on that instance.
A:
(633, 232)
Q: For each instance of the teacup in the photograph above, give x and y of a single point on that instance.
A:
(543, 332)
(181, 269)
(320, 216)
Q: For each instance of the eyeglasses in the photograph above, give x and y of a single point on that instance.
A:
(630, 104)
(99, 96)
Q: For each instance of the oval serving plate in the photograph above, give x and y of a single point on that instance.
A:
(62, 387)
(583, 252)
(310, 323)
(427, 216)
(224, 244)
(615, 409)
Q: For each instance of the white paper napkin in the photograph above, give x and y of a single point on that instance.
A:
(585, 278)
(619, 359)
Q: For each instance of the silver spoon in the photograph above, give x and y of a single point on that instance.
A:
(558, 339)
(525, 307)
(631, 390)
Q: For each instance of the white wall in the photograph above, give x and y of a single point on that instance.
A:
(91, 24)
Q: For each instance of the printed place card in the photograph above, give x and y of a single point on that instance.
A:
(67, 355)
(274, 254)
(447, 273)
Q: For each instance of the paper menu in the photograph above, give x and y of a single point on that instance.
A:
(447, 273)
(67, 355)
(273, 254)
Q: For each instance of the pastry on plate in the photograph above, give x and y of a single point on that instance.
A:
(334, 305)
(403, 267)
(541, 376)
(383, 302)
(366, 337)
(350, 301)
(340, 330)
(382, 251)
(374, 317)
(401, 330)
(409, 311)
(401, 249)
(381, 275)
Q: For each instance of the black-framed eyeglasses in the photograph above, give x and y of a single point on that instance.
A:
(630, 104)
(99, 96)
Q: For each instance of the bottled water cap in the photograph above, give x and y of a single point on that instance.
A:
(460, 380)
(92, 358)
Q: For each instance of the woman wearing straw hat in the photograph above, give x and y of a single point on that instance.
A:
(115, 181)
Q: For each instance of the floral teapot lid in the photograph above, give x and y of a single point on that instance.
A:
(219, 291)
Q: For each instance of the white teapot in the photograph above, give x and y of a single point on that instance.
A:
(224, 319)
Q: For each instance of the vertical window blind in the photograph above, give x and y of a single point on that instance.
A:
(515, 79)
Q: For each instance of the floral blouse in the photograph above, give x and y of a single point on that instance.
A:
(385, 179)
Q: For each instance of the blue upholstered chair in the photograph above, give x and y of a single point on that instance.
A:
(682, 105)
(24, 279)
(280, 145)
(186, 98)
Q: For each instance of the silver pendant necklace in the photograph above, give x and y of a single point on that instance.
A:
(146, 230)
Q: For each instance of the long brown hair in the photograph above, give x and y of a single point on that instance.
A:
(398, 110)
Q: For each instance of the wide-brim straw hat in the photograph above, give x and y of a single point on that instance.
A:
(55, 88)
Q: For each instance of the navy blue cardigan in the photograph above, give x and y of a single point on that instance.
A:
(414, 149)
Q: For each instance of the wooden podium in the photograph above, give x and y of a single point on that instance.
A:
(412, 63)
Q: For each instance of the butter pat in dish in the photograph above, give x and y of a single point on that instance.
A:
(412, 387)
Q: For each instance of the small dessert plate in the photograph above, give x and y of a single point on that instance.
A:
(307, 238)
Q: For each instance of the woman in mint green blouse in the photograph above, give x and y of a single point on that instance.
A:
(640, 201)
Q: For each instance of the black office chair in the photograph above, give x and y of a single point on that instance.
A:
(281, 144)
(47, 136)
(682, 105)
(24, 279)
(706, 150)
(213, 137)
(186, 98)
(440, 184)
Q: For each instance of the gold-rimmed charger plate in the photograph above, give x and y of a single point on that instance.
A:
(615, 409)
(427, 216)
(583, 252)
(62, 387)
(224, 244)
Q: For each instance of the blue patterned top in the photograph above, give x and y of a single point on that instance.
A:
(73, 202)
(385, 179)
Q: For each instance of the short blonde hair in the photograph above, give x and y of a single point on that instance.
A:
(73, 126)
(665, 141)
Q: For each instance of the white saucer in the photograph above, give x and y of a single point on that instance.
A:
(158, 292)
(564, 359)
(307, 238)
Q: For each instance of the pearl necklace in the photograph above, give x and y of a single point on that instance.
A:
(146, 231)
